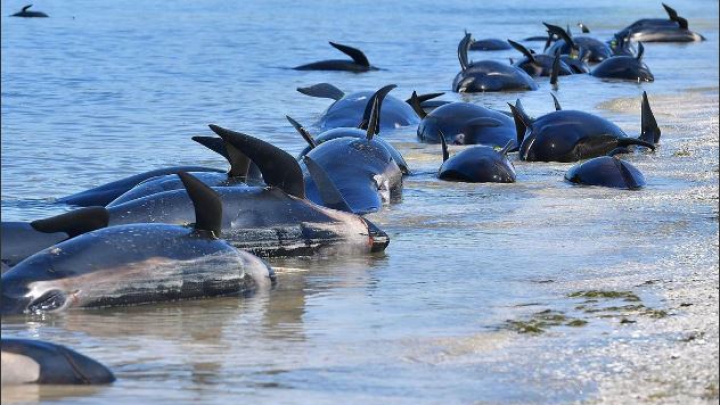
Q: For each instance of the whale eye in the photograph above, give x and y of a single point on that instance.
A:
(50, 301)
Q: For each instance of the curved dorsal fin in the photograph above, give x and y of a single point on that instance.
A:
(415, 104)
(330, 195)
(555, 72)
(672, 14)
(305, 134)
(207, 203)
(278, 168)
(354, 53)
(626, 175)
(641, 51)
(444, 145)
(322, 90)
(557, 103)
(380, 96)
(584, 28)
(650, 132)
(522, 121)
(239, 163)
(75, 222)
(554, 29)
(24, 9)
(425, 97)
(463, 51)
(508, 146)
(522, 49)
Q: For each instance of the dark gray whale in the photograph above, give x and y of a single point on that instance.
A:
(358, 64)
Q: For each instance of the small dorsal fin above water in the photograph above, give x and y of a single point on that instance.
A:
(444, 145)
(329, 193)
(507, 148)
(557, 103)
(303, 132)
(367, 114)
(463, 51)
(649, 130)
(584, 28)
(26, 8)
(356, 54)
(555, 72)
(322, 90)
(278, 168)
(627, 176)
(207, 203)
(414, 102)
(239, 163)
(74, 223)
(522, 49)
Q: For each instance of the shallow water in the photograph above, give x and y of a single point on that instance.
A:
(98, 92)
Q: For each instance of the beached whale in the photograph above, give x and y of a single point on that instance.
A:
(672, 29)
(607, 171)
(625, 68)
(569, 136)
(358, 64)
(477, 164)
(594, 50)
(488, 75)
(137, 263)
(26, 361)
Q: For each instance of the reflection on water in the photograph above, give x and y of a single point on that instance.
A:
(88, 97)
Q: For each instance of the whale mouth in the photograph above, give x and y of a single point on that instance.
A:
(378, 239)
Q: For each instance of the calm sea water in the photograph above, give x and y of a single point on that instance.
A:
(102, 90)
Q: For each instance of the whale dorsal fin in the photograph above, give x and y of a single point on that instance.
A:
(239, 163)
(444, 145)
(626, 174)
(329, 193)
(278, 168)
(322, 90)
(522, 121)
(207, 203)
(463, 51)
(507, 148)
(415, 104)
(649, 132)
(555, 72)
(379, 96)
(75, 222)
(557, 103)
(554, 29)
(356, 54)
(425, 97)
(675, 17)
(641, 51)
(26, 8)
(303, 132)
(522, 49)
(584, 28)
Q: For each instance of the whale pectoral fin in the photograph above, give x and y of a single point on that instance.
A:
(649, 132)
(522, 50)
(507, 148)
(356, 54)
(278, 168)
(379, 96)
(557, 103)
(414, 102)
(641, 51)
(330, 195)
(75, 222)
(630, 180)
(618, 151)
(322, 90)
(207, 203)
(625, 142)
(303, 132)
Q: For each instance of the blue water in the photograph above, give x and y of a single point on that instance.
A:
(102, 90)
